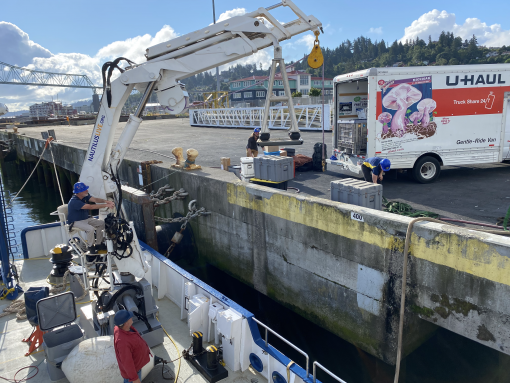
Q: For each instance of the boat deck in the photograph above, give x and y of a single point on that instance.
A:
(12, 351)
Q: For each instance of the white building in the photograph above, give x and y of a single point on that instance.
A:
(84, 108)
(47, 109)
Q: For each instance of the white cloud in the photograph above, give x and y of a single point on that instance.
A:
(377, 31)
(134, 48)
(434, 22)
(24, 52)
(17, 48)
(231, 13)
(329, 30)
(263, 56)
(306, 40)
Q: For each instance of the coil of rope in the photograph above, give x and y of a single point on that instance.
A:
(61, 287)
(16, 307)
(402, 208)
(26, 378)
(503, 221)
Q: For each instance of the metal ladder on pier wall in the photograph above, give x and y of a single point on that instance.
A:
(8, 245)
(12, 242)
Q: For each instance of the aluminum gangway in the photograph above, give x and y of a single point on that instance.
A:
(309, 117)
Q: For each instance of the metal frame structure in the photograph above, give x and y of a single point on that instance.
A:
(308, 117)
(15, 75)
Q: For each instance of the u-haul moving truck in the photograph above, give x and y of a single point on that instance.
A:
(422, 118)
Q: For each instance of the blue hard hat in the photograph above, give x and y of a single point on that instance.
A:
(79, 187)
(256, 130)
(121, 317)
(385, 164)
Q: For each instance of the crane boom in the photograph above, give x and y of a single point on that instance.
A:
(168, 63)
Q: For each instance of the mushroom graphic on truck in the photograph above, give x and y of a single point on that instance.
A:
(408, 104)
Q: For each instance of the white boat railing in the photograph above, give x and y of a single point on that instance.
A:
(317, 364)
(286, 341)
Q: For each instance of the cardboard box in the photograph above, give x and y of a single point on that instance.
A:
(271, 148)
(283, 153)
(225, 163)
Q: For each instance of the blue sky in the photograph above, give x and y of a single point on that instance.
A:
(67, 36)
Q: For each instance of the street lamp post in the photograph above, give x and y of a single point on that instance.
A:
(217, 69)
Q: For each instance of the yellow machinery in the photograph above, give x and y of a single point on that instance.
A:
(215, 100)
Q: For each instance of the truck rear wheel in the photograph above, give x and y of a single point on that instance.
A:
(426, 170)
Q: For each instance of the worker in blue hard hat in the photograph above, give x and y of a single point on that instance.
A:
(252, 149)
(374, 167)
(131, 350)
(78, 215)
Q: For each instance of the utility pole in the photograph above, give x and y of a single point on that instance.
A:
(217, 69)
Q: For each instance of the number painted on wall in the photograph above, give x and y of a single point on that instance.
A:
(357, 217)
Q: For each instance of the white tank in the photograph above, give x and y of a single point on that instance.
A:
(94, 361)
(3, 109)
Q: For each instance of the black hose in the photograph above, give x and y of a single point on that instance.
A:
(110, 66)
(115, 178)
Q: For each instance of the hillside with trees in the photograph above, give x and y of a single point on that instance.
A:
(363, 53)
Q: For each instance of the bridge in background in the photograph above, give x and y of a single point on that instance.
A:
(15, 75)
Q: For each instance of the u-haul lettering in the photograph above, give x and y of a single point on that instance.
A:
(470, 80)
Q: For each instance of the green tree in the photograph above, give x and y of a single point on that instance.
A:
(473, 49)
(297, 94)
(445, 55)
(457, 43)
(417, 54)
(363, 53)
(314, 92)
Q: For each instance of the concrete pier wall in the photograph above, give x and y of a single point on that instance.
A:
(345, 275)
(308, 254)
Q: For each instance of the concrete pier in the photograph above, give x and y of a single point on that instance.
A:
(309, 255)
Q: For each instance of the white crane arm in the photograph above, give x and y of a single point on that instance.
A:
(167, 64)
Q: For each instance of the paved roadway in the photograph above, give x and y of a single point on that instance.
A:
(475, 192)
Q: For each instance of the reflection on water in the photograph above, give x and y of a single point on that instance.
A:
(35, 203)
(446, 357)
